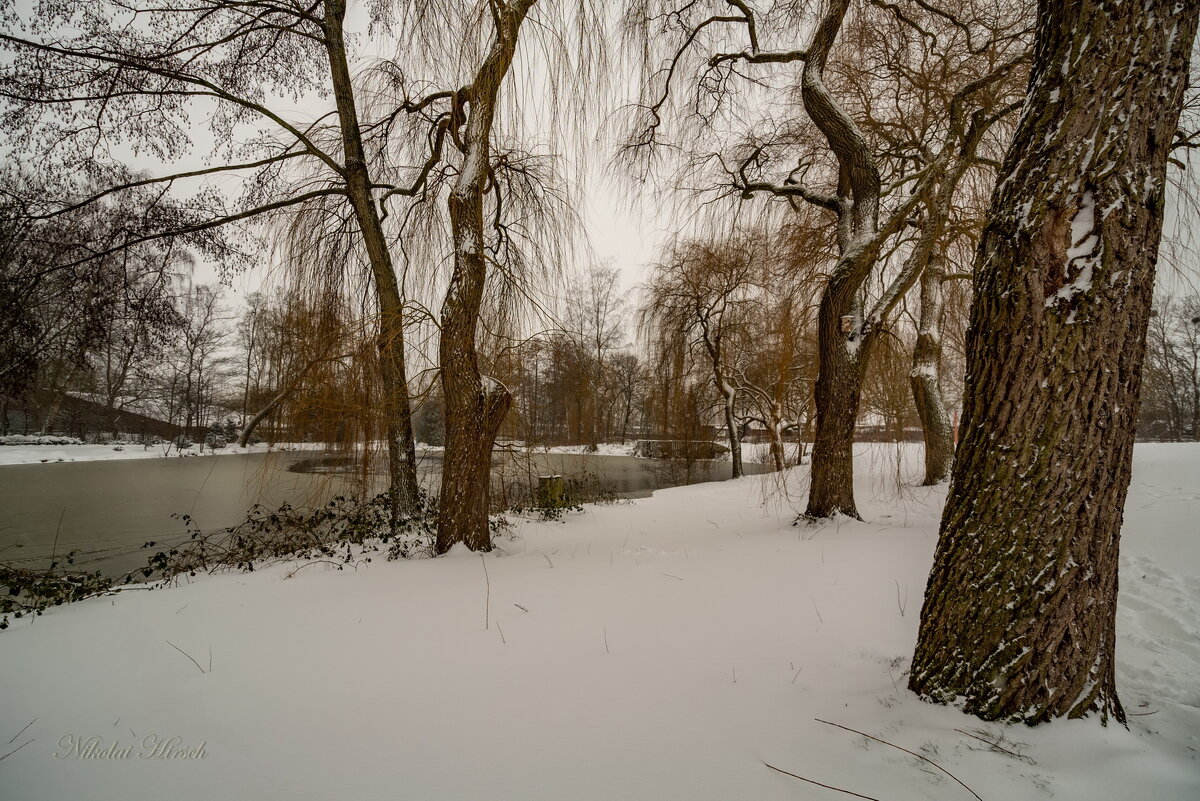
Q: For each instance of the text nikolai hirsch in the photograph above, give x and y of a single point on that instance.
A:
(152, 746)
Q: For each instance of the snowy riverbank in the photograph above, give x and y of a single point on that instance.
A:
(33, 454)
(663, 649)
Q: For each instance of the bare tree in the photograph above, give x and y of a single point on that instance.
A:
(594, 318)
(879, 187)
(1171, 394)
(196, 361)
(1019, 619)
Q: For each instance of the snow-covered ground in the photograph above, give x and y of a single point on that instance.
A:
(604, 449)
(757, 452)
(664, 649)
(33, 454)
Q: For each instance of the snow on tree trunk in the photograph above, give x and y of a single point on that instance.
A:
(837, 395)
(1019, 615)
(926, 378)
(843, 349)
(778, 459)
(475, 404)
(735, 434)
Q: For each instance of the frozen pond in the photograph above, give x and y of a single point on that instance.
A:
(107, 510)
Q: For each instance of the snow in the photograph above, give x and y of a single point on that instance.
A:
(663, 649)
(1086, 249)
(33, 454)
(603, 448)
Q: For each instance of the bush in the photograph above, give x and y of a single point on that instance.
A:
(22, 439)
(26, 591)
(273, 535)
(345, 531)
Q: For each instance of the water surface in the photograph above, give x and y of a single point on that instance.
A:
(107, 510)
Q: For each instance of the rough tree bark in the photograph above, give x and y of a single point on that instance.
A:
(837, 396)
(402, 457)
(926, 377)
(475, 404)
(843, 349)
(1019, 615)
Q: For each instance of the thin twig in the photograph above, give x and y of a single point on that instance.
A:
(900, 748)
(997, 746)
(203, 484)
(523, 609)
(185, 653)
(815, 609)
(606, 641)
(23, 728)
(57, 531)
(502, 640)
(18, 748)
(668, 575)
(819, 784)
(547, 558)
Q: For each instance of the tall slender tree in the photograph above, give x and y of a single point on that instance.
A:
(1019, 619)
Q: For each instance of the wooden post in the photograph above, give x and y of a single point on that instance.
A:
(550, 492)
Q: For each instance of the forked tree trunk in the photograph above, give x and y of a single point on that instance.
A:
(397, 411)
(475, 404)
(1019, 615)
(926, 378)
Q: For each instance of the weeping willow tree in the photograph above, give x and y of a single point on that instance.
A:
(699, 293)
(500, 91)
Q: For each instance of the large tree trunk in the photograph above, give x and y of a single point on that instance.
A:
(926, 378)
(475, 404)
(837, 394)
(1019, 615)
(397, 411)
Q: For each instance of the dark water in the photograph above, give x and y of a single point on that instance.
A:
(107, 510)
